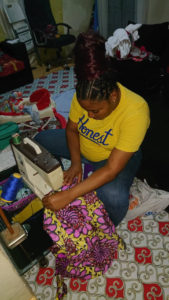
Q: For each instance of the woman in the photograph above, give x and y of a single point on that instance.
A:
(107, 124)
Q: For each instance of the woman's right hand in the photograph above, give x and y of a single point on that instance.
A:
(75, 170)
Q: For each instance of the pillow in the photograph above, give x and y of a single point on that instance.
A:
(9, 65)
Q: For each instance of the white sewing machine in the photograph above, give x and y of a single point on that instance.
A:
(39, 169)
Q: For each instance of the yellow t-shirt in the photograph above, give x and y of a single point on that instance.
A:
(123, 129)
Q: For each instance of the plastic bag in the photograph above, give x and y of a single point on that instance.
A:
(145, 200)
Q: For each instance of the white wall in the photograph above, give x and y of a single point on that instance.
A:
(158, 11)
(77, 13)
(152, 11)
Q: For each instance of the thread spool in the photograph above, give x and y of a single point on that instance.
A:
(11, 187)
(16, 139)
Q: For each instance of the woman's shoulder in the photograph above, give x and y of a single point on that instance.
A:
(131, 98)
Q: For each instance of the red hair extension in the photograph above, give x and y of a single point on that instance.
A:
(90, 59)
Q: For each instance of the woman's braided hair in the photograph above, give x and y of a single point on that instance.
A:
(95, 79)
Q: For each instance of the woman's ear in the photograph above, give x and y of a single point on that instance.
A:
(113, 96)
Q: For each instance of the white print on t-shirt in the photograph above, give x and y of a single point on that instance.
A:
(89, 134)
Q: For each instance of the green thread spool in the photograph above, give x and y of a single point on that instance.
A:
(16, 139)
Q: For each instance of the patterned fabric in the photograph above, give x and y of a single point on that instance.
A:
(55, 83)
(85, 241)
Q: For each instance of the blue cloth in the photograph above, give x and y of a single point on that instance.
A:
(115, 194)
(34, 114)
(63, 102)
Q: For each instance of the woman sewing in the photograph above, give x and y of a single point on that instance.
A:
(107, 124)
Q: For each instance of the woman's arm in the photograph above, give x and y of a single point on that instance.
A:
(116, 162)
(72, 136)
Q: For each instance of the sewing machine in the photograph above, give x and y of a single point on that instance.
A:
(39, 169)
(43, 174)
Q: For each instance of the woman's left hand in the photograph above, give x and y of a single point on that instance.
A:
(57, 200)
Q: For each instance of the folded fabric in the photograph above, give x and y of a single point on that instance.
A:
(6, 131)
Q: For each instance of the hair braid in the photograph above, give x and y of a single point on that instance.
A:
(95, 80)
(97, 89)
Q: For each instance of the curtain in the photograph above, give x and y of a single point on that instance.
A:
(113, 14)
(102, 6)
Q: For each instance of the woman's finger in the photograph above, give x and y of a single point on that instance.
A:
(79, 178)
(45, 201)
(68, 180)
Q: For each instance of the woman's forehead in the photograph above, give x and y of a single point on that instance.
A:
(92, 104)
